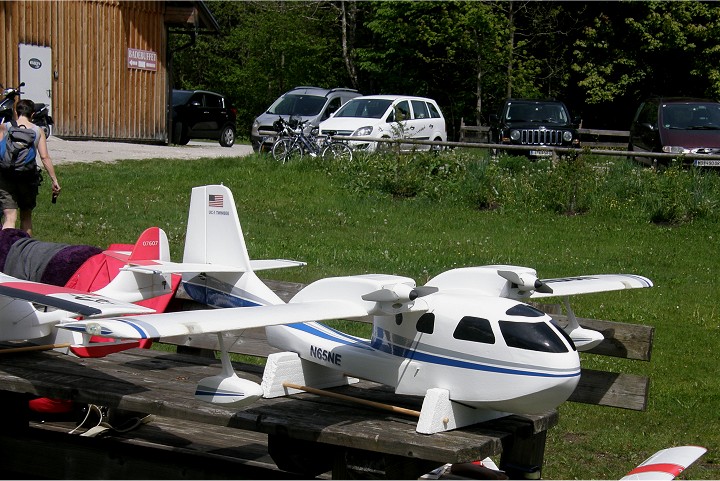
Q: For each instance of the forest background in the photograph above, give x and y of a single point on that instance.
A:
(601, 58)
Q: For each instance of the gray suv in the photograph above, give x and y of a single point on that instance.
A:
(303, 103)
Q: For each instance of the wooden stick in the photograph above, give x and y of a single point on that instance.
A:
(45, 347)
(387, 407)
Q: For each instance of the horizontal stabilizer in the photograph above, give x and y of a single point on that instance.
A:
(197, 268)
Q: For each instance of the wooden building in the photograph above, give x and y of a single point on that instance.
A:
(101, 65)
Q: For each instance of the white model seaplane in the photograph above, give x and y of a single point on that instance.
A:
(465, 341)
(32, 310)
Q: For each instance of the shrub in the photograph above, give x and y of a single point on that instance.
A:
(612, 186)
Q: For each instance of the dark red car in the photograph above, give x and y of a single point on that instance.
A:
(677, 125)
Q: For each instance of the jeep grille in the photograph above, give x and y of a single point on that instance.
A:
(541, 137)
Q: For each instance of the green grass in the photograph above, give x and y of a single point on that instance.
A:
(340, 224)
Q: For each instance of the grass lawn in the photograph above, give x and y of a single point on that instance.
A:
(298, 212)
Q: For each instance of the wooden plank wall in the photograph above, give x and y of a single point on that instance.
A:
(95, 94)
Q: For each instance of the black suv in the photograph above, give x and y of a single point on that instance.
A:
(198, 114)
(534, 123)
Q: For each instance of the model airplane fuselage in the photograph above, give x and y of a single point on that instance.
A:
(33, 311)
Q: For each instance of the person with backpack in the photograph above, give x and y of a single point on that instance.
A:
(20, 175)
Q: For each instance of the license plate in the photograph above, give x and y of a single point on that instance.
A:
(541, 153)
(707, 163)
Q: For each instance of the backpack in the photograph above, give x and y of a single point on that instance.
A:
(18, 150)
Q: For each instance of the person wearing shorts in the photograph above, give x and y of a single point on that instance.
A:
(19, 191)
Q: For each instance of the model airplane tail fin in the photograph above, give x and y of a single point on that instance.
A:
(213, 233)
(151, 245)
(215, 250)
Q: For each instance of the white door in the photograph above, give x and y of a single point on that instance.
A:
(36, 72)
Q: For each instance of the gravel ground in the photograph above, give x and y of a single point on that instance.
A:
(69, 151)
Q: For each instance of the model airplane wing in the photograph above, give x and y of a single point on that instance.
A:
(568, 286)
(667, 463)
(71, 300)
(217, 320)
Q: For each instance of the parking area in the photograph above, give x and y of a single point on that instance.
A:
(70, 151)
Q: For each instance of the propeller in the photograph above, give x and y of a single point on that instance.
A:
(525, 280)
(397, 298)
(399, 293)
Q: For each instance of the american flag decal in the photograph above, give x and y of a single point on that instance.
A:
(215, 200)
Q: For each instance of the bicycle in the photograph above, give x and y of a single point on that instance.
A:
(292, 143)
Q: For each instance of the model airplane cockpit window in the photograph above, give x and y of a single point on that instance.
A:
(426, 323)
(525, 311)
(532, 336)
(474, 329)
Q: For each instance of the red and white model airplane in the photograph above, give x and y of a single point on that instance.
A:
(465, 341)
(33, 311)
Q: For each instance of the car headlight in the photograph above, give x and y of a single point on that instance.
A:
(515, 135)
(567, 136)
(674, 149)
(363, 131)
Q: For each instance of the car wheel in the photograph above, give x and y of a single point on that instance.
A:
(227, 136)
(436, 149)
(384, 147)
(180, 136)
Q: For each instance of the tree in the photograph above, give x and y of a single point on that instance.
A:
(637, 49)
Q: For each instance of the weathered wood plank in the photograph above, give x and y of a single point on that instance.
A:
(67, 456)
(627, 391)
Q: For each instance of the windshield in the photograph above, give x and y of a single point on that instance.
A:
(524, 112)
(302, 105)
(181, 97)
(364, 108)
(691, 116)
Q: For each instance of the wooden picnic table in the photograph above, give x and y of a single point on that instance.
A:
(307, 434)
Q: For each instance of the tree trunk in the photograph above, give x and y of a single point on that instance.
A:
(348, 13)
(511, 48)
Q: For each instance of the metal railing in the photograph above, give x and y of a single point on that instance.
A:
(555, 151)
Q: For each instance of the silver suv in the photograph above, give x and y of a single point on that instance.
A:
(304, 103)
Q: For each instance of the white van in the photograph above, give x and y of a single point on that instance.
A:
(387, 117)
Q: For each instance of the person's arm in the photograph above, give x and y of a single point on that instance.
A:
(47, 162)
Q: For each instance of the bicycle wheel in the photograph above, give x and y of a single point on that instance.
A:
(280, 149)
(338, 151)
(285, 149)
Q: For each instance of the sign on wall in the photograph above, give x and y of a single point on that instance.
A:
(142, 59)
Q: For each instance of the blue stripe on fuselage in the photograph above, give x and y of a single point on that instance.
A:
(422, 356)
